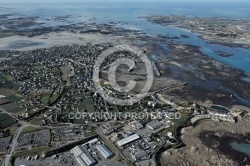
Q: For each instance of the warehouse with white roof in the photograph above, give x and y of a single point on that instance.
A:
(127, 140)
(83, 156)
(105, 152)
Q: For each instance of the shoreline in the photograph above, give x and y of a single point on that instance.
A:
(194, 146)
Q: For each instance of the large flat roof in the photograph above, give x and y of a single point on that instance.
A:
(104, 151)
(128, 139)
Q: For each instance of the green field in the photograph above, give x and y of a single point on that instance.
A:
(2, 79)
(7, 92)
(88, 134)
(38, 66)
(45, 99)
(87, 104)
(6, 120)
(13, 98)
(3, 101)
(37, 121)
(32, 152)
(9, 78)
(16, 86)
(9, 106)
(49, 99)
(6, 85)
(13, 129)
(16, 110)
(29, 129)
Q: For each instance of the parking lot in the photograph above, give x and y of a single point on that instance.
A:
(63, 159)
(36, 138)
(4, 143)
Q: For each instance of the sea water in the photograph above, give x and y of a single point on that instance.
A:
(241, 147)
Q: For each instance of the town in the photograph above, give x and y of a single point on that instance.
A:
(45, 91)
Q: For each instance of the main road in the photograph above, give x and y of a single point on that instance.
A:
(13, 144)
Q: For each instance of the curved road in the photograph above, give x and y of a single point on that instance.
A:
(13, 144)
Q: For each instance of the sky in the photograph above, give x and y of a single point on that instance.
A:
(61, 1)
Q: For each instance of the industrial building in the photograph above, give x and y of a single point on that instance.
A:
(127, 140)
(83, 156)
(137, 125)
(105, 152)
(93, 141)
(154, 125)
(138, 155)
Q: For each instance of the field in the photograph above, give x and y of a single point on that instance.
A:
(3, 101)
(9, 78)
(37, 120)
(38, 66)
(32, 152)
(6, 120)
(7, 92)
(15, 86)
(16, 110)
(13, 98)
(87, 104)
(9, 106)
(49, 99)
(29, 129)
(13, 129)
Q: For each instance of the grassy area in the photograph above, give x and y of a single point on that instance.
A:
(54, 97)
(17, 110)
(3, 79)
(184, 117)
(16, 86)
(36, 121)
(3, 101)
(38, 75)
(7, 92)
(7, 85)
(14, 98)
(9, 78)
(88, 134)
(9, 106)
(165, 131)
(13, 129)
(79, 121)
(38, 66)
(49, 99)
(45, 99)
(87, 104)
(6, 120)
(32, 152)
(29, 129)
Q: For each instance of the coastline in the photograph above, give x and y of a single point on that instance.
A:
(208, 154)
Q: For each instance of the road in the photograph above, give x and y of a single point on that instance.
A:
(13, 144)
(17, 133)
(110, 145)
